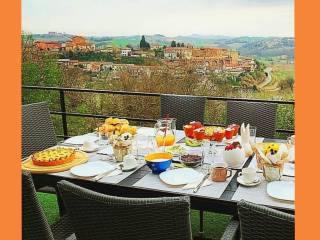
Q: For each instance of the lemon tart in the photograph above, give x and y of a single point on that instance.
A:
(53, 157)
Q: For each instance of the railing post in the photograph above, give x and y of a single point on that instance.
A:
(63, 115)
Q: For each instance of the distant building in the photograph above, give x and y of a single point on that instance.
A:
(155, 46)
(79, 44)
(125, 52)
(48, 45)
(177, 53)
(107, 49)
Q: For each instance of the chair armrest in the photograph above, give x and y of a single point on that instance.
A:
(232, 231)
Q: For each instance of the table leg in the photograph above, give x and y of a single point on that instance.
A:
(62, 209)
(201, 231)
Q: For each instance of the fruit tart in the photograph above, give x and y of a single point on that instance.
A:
(53, 156)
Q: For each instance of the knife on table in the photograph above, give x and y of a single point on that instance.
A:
(202, 181)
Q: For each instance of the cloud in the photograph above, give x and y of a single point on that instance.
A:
(178, 17)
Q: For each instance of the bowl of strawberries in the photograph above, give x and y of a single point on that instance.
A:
(234, 155)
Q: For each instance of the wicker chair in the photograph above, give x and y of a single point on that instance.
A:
(37, 128)
(260, 223)
(184, 108)
(37, 132)
(35, 226)
(96, 216)
(261, 115)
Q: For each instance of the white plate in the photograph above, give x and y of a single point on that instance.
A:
(256, 182)
(128, 169)
(180, 176)
(91, 150)
(91, 169)
(283, 190)
(78, 140)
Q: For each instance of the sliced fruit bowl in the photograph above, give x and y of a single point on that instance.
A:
(192, 142)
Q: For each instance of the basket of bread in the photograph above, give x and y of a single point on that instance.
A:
(271, 158)
(113, 127)
(119, 134)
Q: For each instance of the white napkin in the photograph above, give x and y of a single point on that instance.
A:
(193, 185)
(150, 132)
(289, 169)
(106, 151)
(78, 140)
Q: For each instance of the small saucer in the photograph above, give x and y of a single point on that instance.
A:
(127, 169)
(256, 182)
(90, 150)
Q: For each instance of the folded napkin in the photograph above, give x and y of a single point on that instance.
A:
(193, 185)
(78, 140)
(106, 151)
(114, 173)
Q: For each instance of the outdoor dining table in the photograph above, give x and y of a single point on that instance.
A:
(218, 197)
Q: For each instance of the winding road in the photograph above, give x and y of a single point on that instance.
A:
(268, 78)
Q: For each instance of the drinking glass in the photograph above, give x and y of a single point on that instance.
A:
(143, 145)
(253, 132)
(102, 139)
(209, 150)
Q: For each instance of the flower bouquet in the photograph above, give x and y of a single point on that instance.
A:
(122, 145)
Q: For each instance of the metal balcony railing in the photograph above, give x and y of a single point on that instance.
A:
(64, 113)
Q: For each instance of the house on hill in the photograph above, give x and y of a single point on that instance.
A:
(48, 45)
(78, 44)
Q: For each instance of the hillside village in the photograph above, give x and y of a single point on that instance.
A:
(204, 60)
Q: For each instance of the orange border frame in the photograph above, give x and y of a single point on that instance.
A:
(10, 100)
(307, 114)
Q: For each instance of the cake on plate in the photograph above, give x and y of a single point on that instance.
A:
(53, 156)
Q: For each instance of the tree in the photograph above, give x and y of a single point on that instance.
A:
(144, 44)
(182, 44)
(178, 44)
(173, 44)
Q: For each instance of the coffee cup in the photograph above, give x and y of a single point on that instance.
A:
(129, 161)
(220, 172)
(89, 145)
(248, 174)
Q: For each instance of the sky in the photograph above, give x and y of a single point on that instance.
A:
(168, 17)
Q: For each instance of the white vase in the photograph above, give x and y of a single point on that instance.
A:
(234, 158)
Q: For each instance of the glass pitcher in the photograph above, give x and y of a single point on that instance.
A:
(165, 130)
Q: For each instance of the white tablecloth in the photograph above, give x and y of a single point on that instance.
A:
(152, 181)
(258, 194)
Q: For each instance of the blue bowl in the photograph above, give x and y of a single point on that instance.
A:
(157, 166)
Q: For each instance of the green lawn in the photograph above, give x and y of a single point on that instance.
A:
(214, 224)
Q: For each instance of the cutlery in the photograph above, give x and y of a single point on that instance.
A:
(98, 177)
(202, 181)
(108, 173)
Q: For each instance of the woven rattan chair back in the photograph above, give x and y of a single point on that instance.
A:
(97, 216)
(261, 223)
(34, 223)
(184, 108)
(261, 115)
(37, 128)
